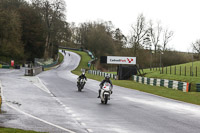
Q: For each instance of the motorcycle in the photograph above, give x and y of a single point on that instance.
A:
(106, 91)
(81, 84)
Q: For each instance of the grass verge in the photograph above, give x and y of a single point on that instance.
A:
(191, 79)
(13, 130)
(61, 57)
(190, 97)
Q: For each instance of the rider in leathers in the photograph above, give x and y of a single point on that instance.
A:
(82, 76)
(107, 79)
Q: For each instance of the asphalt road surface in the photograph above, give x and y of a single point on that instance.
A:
(50, 102)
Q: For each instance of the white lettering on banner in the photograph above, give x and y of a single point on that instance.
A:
(121, 60)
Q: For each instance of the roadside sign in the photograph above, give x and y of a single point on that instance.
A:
(12, 63)
(121, 60)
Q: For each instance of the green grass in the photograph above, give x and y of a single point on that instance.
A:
(0, 65)
(12, 130)
(61, 57)
(113, 73)
(190, 97)
(176, 76)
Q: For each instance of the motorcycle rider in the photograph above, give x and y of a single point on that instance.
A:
(82, 76)
(107, 79)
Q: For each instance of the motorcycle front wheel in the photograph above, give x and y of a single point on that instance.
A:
(106, 99)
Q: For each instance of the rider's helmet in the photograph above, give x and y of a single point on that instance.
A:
(107, 78)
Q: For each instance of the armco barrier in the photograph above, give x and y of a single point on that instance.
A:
(177, 85)
(198, 87)
(6, 66)
(103, 74)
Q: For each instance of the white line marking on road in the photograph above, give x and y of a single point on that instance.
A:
(40, 119)
(90, 130)
(34, 117)
(37, 82)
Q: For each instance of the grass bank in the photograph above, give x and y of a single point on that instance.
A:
(190, 97)
(12, 130)
(179, 72)
(61, 57)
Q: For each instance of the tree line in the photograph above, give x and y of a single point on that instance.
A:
(31, 30)
(35, 29)
(148, 42)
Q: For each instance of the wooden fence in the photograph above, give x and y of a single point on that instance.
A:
(179, 70)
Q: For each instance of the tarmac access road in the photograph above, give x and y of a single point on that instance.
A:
(50, 102)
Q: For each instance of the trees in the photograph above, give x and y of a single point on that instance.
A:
(155, 33)
(167, 35)
(33, 33)
(120, 40)
(139, 30)
(52, 14)
(10, 35)
(34, 30)
(95, 36)
(196, 47)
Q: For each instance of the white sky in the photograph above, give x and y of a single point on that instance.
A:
(180, 16)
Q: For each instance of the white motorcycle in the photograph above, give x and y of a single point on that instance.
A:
(106, 91)
(81, 84)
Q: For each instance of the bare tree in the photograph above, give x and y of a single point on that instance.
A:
(139, 32)
(196, 46)
(167, 35)
(155, 33)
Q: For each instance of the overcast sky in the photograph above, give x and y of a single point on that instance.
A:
(180, 16)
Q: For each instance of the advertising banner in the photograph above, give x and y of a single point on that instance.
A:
(121, 60)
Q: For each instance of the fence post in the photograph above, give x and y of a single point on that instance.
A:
(180, 70)
(196, 71)
(185, 70)
(170, 70)
(156, 67)
(175, 70)
(162, 69)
